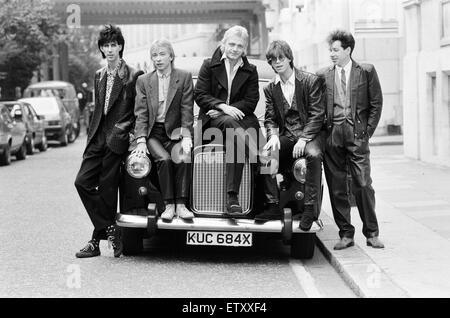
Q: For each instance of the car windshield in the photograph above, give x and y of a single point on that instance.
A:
(44, 105)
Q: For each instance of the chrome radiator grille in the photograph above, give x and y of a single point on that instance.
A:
(208, 196)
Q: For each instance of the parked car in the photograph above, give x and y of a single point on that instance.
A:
(58, 125)
(13, 134)
(141, 202)
(24, 112)
(65, 91)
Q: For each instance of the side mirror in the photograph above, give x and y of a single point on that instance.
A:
(40, 117)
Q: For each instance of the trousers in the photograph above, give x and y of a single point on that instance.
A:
(97, 182)
(173, 176)
(344, 153)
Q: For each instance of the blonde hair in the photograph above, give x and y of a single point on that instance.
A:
(163, 43)
(237, 30)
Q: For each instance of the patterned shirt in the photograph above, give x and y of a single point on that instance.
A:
(111, 75)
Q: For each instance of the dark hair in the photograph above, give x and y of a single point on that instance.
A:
(279, 48)
(345, 37)
(111, 34)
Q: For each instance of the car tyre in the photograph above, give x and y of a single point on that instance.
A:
(132, 240)
(302, 245)
(22, 152)
(30, 146)
(5, 157)
(43, 145)
(64, 140)
(72, 135)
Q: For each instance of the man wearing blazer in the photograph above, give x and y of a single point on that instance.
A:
(354, 103)
(164, 126)
(295, 111)
(227, 93)
(108, 139)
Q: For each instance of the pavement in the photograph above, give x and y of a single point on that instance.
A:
(413, 211)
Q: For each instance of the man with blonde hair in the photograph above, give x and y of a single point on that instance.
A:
(164, 126)
(227, 94)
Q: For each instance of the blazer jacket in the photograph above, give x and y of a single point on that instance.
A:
(119, 118)
(310, 98)
(366, 98)
(212, 87)
(180, 104)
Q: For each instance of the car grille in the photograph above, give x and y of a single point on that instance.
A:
(208, 195)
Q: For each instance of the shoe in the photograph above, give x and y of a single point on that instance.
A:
(374, 242)
(233, 206)
(92, 249)
(114, 237)
(344, 243)
(184, 213)
(307, 218)
(271, 212)
(168, 213)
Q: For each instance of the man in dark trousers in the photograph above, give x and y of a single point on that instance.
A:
(227, 93)
(108, 139)
(164, 126)
(354, 103)
(295, 111)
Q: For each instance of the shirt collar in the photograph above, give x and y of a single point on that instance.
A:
(162, 75)
(291, 79)
(239, 63)
(347, 67)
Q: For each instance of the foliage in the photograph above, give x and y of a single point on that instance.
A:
(28, 30)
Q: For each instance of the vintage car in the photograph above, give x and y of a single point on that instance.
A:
(34, 124)
(65, 91)
(141, 203)
(13, 137)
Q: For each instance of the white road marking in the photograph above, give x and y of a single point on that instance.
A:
(306, 280)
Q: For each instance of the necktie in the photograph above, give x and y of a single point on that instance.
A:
(343, 82)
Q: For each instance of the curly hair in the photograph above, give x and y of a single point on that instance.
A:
(346, 38)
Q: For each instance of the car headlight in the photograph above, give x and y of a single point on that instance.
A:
(138, 166)
(299, 170)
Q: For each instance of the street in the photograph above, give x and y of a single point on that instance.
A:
(44, 224)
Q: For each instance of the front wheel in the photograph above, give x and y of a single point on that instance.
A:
(302, 245)
(132, 240)
(5, 157)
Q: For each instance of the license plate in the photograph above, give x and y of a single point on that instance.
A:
(219, 238)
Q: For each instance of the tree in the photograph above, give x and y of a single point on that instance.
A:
(28, 31)
(84, 56)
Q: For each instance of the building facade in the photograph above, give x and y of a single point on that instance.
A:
(427, 80)
(187, 40)
(377, 26)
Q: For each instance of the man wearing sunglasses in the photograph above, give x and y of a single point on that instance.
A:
(295, 111)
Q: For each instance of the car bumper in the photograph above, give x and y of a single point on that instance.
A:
(214, 224)
(54, 133)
